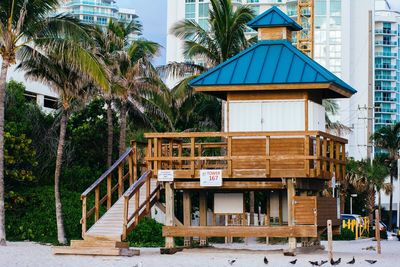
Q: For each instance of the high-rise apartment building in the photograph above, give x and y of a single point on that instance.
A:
(387, 67)
(343, 43)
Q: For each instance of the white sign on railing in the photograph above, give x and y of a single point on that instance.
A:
(210, 177)
(165, 175)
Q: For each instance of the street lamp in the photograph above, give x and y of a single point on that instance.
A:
(351, 202)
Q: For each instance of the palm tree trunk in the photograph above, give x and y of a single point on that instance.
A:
(390, 203)
(122, 134)
(3, 79)
(110, 133)
(59, 216)
(379, 204)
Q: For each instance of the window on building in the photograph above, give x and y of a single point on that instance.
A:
(320, 8)
(102, 21)
(335, 8)
(50, 102)
(190, 9)
(89, 19)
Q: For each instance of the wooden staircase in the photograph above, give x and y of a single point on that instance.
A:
(107, 233)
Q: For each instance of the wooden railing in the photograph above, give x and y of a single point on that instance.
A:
(116, 173)
(248, 154)
(130, 220)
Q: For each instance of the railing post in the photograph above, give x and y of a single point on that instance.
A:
(136, 206)
(331, 156)
(109, 193)
(84, 216)
(155, 156)
(337, 165)
(96, 203)
(148, 185)
(324, 152)
(344, 159)
(120, 181)
(125, 223)
(229, 154)
(267, 154)
(318, 154)
(149, 154)
(192, 155)
(171, 150)
(180, 154)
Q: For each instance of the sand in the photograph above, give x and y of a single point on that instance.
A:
(32, 254)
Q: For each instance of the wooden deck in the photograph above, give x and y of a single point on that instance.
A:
(248, 155)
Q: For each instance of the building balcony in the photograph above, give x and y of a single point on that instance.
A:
(384, 121)
(91, 3)
(386, 54)
(95, 13)
(248, 155)
(385, 110)
(385, 99)
(386, 66)
(385, 88)
(385, 31)
(385, 77)
(386, 43)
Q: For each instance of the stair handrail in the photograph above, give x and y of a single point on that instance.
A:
(130, 156)
(106, 173)
(134, 190)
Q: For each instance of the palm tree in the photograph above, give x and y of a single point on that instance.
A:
(27, 25)
(135, 75)
(388, 139)
(72, 87)
(110, 42)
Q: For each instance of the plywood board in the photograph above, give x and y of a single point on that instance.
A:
(228, 203)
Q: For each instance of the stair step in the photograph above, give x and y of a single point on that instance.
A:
(103, 251)
(98, 243)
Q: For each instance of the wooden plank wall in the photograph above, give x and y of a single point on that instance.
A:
(304, 210)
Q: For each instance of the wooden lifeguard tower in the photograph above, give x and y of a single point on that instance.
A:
(274, 142)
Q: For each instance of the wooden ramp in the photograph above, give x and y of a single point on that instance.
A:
(105, 237)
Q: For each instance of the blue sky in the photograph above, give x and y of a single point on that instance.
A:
(153, 14)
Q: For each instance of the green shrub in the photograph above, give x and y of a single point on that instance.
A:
(345, 234)
(35, 220)
(148, 233)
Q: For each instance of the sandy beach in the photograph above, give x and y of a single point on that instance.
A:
(24, 254)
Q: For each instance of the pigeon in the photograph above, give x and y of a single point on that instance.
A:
(265, 260)
(231, 262)
(335, 262)
(293, 262)
(352, 261)
(371, 261)
(322, 263)
(314, 263)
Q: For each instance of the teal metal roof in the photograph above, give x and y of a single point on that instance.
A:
(269, 62)
(273, 17)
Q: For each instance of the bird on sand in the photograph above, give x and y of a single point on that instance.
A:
(352, 261)
(322, 263)
(231, 262)
(314, 263)
(335, 262)
(371, 261)
(293, 261)
(265, 260)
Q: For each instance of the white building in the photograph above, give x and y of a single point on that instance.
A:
(343, 44)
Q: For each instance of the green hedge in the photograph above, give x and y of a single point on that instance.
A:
(35, 218)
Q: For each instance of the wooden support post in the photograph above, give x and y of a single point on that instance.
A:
(192, 155)
(377, 232)
(268, 212)
(337, 165)
(187, 215)
(229, 152)
(96, 203)
(84, 216)
(125, 219)
(180, 154)
(280, 208)
(324, 153)
(120, 181)
(251, 203)
(135, 162)
(291, 219)
(267, 153)
(171, 153)
(203, 214)
(330, 252)
(109, 193)
(318, 154)
(148, 188)
(307, 153)
(344, 159)
(169, 212)
(331, 156)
